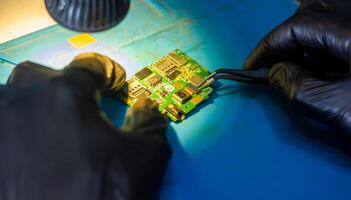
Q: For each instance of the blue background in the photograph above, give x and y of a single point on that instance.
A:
(245, 142)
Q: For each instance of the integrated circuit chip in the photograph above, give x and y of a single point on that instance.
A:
(154, 80)
(143, 73)
(174, 75)
(176, 112)
(178, 59)
(196, 80)
(173, 82)
(133, 88)
(166, 66)
(192, 89)
(181, 96)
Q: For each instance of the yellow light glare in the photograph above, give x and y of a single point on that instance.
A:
(81, 41)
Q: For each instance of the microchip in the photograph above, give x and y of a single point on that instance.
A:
(166, 66)
(176, 112)
(134, 89)
(192, 89)
(196, 100)
(178, 59)
(196, 80)
(143, 73)
(181, 96)
(154, 80)
(174, 75)
(136, 94)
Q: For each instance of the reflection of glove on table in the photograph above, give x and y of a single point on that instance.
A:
(304, 52)
(56, 144)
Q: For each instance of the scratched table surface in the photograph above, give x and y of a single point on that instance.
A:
(244, 143)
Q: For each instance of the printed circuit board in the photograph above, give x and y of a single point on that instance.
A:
(175, 82)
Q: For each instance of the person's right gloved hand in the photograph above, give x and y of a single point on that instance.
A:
(305, 53)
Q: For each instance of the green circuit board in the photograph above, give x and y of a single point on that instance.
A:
(174, 82)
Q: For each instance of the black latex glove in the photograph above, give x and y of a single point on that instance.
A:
(56, 144)
(310, 55)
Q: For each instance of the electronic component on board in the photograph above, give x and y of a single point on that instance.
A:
(154, 80)
(196, 80)
(197, 100)
(178, 59)
(174, 75)
(176, 112)
(134, 88)
(192, 89)
(166, 66)
(181, 96)
(143, 73)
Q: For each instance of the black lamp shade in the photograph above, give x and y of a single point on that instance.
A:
(88, 15)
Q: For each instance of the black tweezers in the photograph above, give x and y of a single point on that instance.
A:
(259, 76)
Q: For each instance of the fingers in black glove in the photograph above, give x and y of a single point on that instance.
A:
(106, 73)
(143, 114)
(27, 73)
(89, 74)
(317, 25)
(324, 101)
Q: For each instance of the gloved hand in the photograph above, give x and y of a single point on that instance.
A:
(56, 144)
(309, 56)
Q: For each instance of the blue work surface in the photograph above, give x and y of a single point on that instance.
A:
(245, 142)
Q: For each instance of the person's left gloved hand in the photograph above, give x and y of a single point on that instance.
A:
(56, 144)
